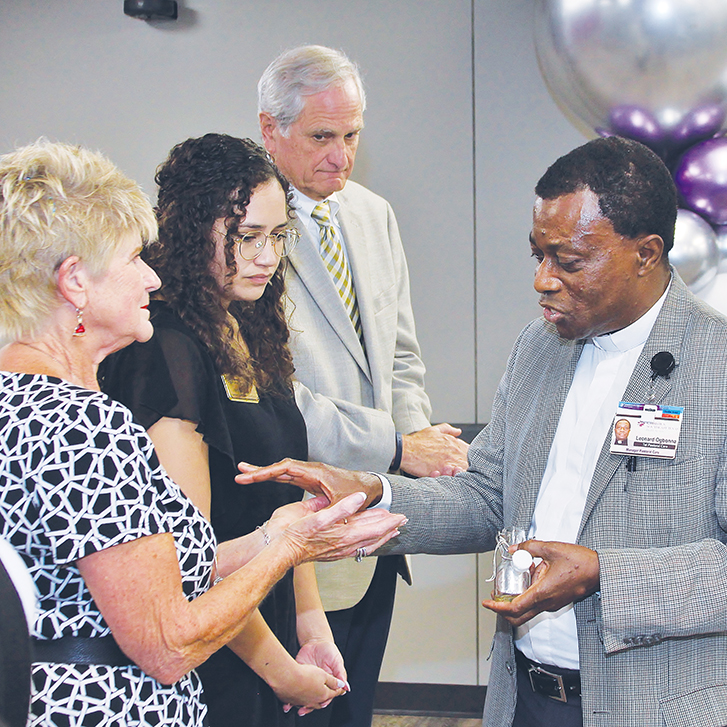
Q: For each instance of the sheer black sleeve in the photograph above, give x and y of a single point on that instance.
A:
(171, 375)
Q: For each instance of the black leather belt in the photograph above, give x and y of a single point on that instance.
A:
(551, 681)
(79, 650)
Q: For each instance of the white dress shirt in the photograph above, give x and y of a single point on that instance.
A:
(600, 379)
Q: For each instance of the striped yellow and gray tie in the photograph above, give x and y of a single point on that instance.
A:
(333, 257)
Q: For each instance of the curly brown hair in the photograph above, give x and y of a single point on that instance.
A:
(202, 180)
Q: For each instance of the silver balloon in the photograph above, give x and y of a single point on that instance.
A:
(695, 254)
(652, 70)
(721, 238)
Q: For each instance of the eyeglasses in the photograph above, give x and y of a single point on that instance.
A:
(251, 244)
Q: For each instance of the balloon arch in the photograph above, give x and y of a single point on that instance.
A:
(654, 71)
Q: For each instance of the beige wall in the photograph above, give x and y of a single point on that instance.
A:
(459, 128)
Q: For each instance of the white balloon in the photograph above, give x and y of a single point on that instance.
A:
(695, 254)
(721, 237)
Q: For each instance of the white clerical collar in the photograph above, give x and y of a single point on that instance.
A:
(306, 205)
(633, 335)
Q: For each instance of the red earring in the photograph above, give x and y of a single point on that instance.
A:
(80, 328)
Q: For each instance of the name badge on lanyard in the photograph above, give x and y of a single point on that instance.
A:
(646, 430)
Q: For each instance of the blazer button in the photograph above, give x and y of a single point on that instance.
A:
(509, 667)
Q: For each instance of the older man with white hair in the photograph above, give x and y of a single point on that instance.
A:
(360, 376)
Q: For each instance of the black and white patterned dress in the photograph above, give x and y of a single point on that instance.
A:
(78, 475)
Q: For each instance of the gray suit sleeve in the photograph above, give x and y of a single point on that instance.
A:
(460, 514)
(658, 593)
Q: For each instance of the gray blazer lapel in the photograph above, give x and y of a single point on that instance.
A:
(667, 334)
(308, 264)
(547, 408)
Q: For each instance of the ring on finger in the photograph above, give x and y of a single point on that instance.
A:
(360, 554)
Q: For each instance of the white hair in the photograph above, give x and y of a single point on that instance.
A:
(301, 72)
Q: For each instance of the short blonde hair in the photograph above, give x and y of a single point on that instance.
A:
(58, 200)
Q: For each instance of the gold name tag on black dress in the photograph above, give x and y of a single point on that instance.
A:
(236, 391)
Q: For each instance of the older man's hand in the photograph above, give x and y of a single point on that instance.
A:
(434, 451)
(566, 574)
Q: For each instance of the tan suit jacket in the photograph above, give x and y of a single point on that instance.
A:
(353, 401)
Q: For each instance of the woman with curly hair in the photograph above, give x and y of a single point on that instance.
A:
(213, 386)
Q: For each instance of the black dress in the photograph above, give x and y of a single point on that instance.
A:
(172, 375)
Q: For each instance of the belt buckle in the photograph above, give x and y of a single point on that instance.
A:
(562, 696)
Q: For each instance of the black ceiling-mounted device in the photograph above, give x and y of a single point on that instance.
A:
(151, 9)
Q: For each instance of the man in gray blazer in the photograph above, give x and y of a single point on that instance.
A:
(359, 375)
(626, 622)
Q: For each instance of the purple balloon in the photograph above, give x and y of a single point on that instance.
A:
(698, 124)
(701, 178)
(636, 123)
